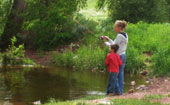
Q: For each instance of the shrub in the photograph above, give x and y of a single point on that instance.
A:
(50, 23)
(85, 58)
(15, 55)
(143, 37)
(135, 60)
(161, 62)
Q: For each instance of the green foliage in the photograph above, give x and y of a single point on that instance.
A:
(161, 62)
(85, 58)
(50, 23)
(143, 37)
(137, 10)
(15, 55)
(135, 60)
(5, 9)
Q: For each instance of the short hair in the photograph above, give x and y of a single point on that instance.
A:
(114, 47)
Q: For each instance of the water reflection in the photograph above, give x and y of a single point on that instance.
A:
(21, 86)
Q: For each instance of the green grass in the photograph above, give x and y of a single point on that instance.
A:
(156, 96)
(168, 95)
(113, 102)
(75, 102)
(61, 103)
(93, 97)
(132, 102)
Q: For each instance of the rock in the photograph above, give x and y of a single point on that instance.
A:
(133, 83)
(131, 91)
(166, 80)
(147, 82)
(93, 70)
(144, 72)
(141, 87)
(105, 102)
(74, 67)
(102, 71)
(36, 103)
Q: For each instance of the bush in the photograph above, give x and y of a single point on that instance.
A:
(135, 60)
(161, 62)
(15, 55)
(86, 58)
(49, 24)
(143, 37)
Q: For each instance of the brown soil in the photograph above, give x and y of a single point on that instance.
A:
(159, 86)
(44, 59)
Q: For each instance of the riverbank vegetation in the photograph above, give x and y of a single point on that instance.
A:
(70, 30)
(112, 102)
(146, 45)
(14, 55)
(46, 25)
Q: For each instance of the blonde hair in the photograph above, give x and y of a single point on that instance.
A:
(121, 23)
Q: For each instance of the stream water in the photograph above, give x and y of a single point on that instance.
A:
(23, 85)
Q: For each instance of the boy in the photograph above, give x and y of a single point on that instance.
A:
(113, 62)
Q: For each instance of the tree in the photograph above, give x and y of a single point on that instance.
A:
(41, 23)
(137, 10)
(5, 9)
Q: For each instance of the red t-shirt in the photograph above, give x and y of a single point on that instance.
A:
(113, 62)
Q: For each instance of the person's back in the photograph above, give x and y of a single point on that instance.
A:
(113, 62)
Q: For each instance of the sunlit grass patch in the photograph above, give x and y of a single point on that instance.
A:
(132, 102)
(54, 102)
(91, 12)
(155, 96)
(168, 95)
(93, 97)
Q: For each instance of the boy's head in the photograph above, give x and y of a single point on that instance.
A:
(120, 25)
(114, 48)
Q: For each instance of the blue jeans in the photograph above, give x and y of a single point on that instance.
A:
(121, 74)
(113, 81)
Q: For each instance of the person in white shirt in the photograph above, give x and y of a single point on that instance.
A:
(121, 40)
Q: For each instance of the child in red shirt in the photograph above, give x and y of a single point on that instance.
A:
(113, 62)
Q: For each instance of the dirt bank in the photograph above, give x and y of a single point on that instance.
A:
(158, 86)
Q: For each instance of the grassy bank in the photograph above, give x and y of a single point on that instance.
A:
(112, 102)
(148, 46)
(144, 40)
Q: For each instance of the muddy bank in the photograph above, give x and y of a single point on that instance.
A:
(42, 58)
